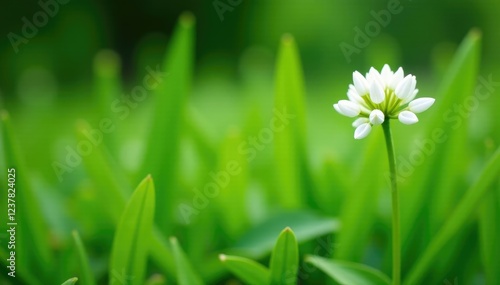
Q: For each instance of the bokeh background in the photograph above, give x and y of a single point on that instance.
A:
(52, 82)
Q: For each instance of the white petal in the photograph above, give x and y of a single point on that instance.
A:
(377, 94)
(360, 83)
(406, 87)
(374, 75)
(348, 108)
(362, 131)
(396, 78)
(359, 121)
(336, 107)
(353, 95)
(421, 104)
(376, 117)
(407, 118)
(386, 73)
(411, 97)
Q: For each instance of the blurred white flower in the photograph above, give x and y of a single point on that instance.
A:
(380, 96)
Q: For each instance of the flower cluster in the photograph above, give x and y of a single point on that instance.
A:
(379, 96)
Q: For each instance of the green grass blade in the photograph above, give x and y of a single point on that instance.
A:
(232, 177)
(424, 181)
(87, 277)
(284, 262)
(107, 179)
(359, 210)
(185, 272)
(489, 234)
(33, 255)
(292, 172)
(260, 240)
(133, 235)
(70, 281)
(247, 270)
(162, 149)
(462, 214)
(348, 273)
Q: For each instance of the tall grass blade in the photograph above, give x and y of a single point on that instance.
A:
(133, 236)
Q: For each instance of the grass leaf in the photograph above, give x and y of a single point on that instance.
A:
(87, 277)
(70, 281)
(284, 262)
(164, 139)
(292, 171)
(247, 270)
(260, 240)
(107, 178)
(133, 236)
(185, 272)
(447, 137)
(489, 234)
(463, 211)
(348, 273)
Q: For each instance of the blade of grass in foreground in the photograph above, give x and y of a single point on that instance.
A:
(284, 262)
(246, 270)
(34, 259)
(292, 172)
(133, 235)
(162, 149)
(348, 273)
(70, 281)
(185, 273)
(101, 170)
(464, 210)
(87, 277)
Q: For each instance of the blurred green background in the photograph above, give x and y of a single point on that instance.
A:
(90, 50)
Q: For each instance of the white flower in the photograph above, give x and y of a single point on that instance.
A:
(380, 96)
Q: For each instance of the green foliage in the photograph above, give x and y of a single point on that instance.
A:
(70, 281)
(347, 273)
(283, 266)
(185, 272)
(133, 235)
(87, 276)
(309, 176)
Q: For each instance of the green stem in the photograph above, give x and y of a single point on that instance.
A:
(396, 239)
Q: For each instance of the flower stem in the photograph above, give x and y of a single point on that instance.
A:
(396, 240)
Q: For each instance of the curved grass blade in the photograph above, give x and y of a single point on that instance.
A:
(70, 281)
(35, 260)
(464, 210)
(284, 262)
(162, 149)
(133, 236)
(247, 270)
(260, 240)
(448, 141)
(292, 171)
(101, 169)
(86, 273)
(349, 273)
(185, 273)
